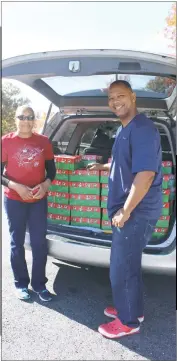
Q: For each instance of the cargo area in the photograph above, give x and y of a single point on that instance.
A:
(77, 198)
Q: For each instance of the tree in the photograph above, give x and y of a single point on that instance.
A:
(170, 28)
(161, 85)
(11, 99)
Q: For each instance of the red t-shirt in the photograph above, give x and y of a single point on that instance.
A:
(25, 158)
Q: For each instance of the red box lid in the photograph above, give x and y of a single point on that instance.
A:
(87, 197)
(62, 206)
(105, 185)
(166, 205)
(161, 230)
(166, 191)
(62, 171)
(60, 183)
(67, 158)
(62, 195)
(50, 193)
(105, 211)
(167, 163)
(52, 205)
(164, 218)
(168, 177)
(61, 218)
(104, 173)
(85, 209)
(85, 220)
(106, 223)
(91, 157)
(84, 185)
(50, 215)
(104, 198)
(84, 172)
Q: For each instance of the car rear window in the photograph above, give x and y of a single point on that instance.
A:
(96, 85)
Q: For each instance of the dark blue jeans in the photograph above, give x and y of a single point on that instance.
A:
(34, 215)
(128, 244)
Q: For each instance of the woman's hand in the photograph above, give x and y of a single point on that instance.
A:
(23, 191)
(41, 189)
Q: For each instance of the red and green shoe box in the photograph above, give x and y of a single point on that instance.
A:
(85, 188)
(167, 167)
(85, 222)
(104, 176)
(160, 232)
(58, 197)
(168, 181)
(106, 225)
(61, 209)
(62, 175)
(163, 222)
(51, 196)
(84, 175)
(104, 189)
(166, 209)
(105, 214)
(68, 162)
(86, 212)
(172, 194)
(62, 198)
(88, 159)
(104, 200)
(58, 219)
(84, 200)
(166, 195)
(59, 186)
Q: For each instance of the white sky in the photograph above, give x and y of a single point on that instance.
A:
(43, 26)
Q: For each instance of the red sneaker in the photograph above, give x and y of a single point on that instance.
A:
(111, 312)
(116, 329)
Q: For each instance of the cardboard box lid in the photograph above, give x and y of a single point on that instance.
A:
(85, 209)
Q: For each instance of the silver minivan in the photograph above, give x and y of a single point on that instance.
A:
(76, 83)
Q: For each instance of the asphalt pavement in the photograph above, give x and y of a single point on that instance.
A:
(66, 328)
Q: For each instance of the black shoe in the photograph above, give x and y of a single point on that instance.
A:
(45, 295)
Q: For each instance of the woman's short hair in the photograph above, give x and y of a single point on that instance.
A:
(23, 108)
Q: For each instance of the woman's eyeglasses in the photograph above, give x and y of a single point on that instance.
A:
(25, 117)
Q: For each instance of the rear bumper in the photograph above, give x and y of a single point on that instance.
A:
(94, 255)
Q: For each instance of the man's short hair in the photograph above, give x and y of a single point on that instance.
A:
(121, 82)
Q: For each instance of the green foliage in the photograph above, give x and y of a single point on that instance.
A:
(161, 85)
(11, 99)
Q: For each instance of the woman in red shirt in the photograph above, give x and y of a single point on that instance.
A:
(28, 169)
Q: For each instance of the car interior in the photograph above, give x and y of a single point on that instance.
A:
(83, 135)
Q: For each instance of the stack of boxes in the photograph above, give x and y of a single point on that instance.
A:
(74, 196)
(59, 210)
(105, 223)
(168, 194)
(85, 194)
(78, 196)
(168, 190)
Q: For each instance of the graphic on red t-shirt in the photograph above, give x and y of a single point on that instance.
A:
(25, 160)
(28, 156)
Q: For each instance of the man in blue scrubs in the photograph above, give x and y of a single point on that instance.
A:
(134, 206)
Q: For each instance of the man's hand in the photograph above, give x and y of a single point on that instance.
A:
(23, 191)
(120, 218)
(95, 166)
(98, 166)
(40, 190)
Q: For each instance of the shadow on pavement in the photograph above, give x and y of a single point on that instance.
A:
(82, 295)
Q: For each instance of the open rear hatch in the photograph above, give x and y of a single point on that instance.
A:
(56, 74)
(76, 82)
